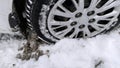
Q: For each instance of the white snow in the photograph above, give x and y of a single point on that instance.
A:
(5, 9)
(67, 53)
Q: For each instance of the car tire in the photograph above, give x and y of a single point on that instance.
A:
(53, 20)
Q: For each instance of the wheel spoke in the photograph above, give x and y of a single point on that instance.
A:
(114, 13)
(96, 27)
(81, 5)
(64, 9)
(100, 25)
(93, 4)
(106, 19)
(75, 4)
(108, 3)
(86, 31)
(63, 14)
(98, 2)
(66, 23)
(57, 27)
(74, 33)
(108, 6)
(62, 33)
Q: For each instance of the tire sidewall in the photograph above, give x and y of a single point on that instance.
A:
(35, 17)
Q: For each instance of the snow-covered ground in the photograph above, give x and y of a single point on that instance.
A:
(103, 50)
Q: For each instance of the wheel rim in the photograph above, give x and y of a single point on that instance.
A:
(82, 18)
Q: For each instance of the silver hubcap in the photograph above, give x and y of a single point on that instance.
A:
(82, 18)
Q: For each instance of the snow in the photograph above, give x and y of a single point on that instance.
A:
(5, 9)
(67, 53)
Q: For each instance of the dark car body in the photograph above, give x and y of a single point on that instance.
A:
(16, 19)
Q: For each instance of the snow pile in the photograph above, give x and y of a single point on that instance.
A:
(69, 53)
(86, 53)
(103, 51)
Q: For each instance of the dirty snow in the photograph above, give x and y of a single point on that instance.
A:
(67, 53)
